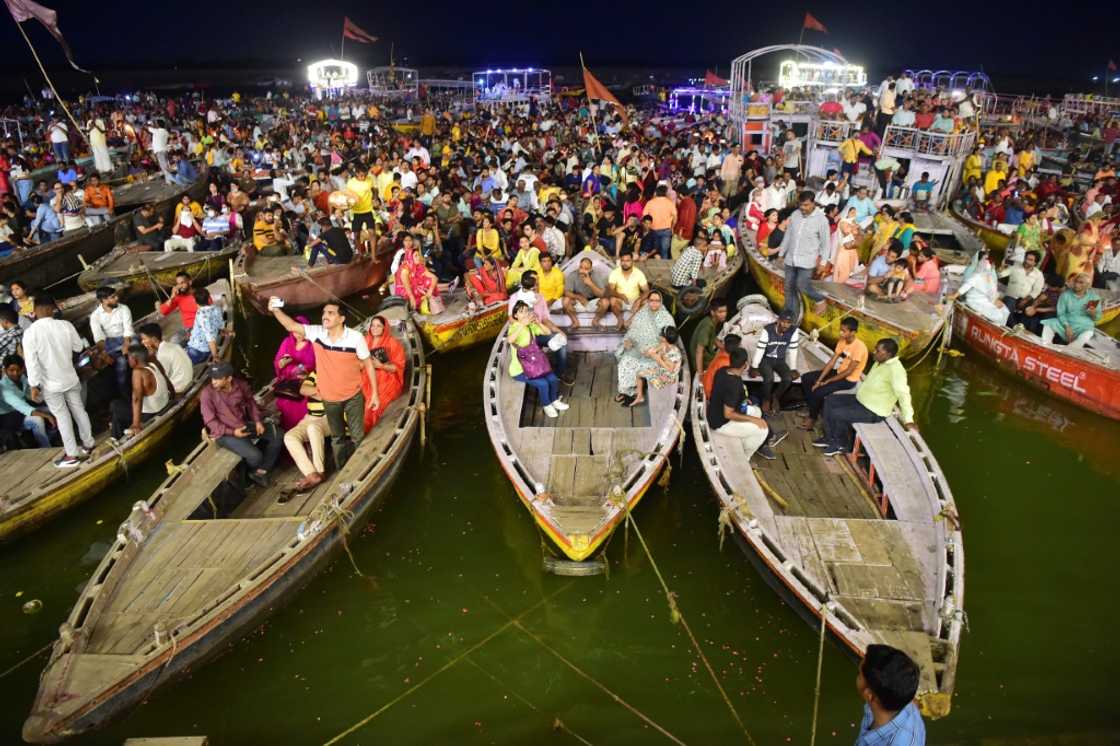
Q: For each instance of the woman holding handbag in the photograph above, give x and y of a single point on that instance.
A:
(294, 360)
(528, 362)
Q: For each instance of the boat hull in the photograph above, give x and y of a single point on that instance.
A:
(995, 240)
(52, 263)
(299, 292)
(208, 643)
(871, 329)
(206, 267)
(462, 333)
(1072, 379)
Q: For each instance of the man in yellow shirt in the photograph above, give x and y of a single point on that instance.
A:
(361, 211)
(850, 151)
(551, 280)
(627, 289)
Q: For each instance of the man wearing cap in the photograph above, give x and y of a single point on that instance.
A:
(233, 419)
(776, 352)
(805, 247)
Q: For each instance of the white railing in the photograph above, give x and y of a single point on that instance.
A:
(1079, 103)
(927, 142)
(833, 131)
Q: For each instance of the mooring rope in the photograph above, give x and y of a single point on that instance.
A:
(820, 665)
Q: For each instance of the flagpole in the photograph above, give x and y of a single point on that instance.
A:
(342, 47)
(50, 83)
(590, 107)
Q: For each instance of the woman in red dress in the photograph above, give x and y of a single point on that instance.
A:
(389, 365)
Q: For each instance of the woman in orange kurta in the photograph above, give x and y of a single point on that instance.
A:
(389, 364)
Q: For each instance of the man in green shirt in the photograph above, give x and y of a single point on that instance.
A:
(704, 346)
(875, 399)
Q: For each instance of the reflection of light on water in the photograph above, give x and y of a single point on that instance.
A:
(955, 390)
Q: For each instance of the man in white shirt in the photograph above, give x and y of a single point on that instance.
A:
(49, 345)
(160, 136)
(60, 141)
(554, 238)
(904, 84)
(904, 117)
(854, 108)
(408, 177)
(111, 327)
(172, 357)
(1025, 282)
(419, 151)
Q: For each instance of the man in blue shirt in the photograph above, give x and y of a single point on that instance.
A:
(865, 206)
(922, 190)
(887, 682)
(16, 411)
(47, 225)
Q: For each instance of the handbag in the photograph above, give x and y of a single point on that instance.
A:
(288, 389)
(533, 361)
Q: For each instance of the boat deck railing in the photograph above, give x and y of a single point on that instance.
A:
(1079, 103)
(833, 131)
(928, 142)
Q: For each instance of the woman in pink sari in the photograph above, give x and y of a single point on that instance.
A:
(414, 281)
(293, 361)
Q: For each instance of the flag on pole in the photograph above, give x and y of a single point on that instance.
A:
(1111, 66)
(596, 90)
(351, 30)
(25, 10)
(710, 78)
(813, 24)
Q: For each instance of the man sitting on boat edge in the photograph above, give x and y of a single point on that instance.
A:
(231, 417)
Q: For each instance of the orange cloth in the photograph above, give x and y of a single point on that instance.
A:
(99, 196)
(720, 361)
(390, 384)
(596, 90)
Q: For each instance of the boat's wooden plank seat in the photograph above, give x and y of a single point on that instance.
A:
(907, 487)
(591, 398)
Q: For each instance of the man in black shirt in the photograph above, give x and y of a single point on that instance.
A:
(332, 243)
(148, 227)
(725, 416)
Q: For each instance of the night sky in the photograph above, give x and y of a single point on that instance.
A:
(1069, 40)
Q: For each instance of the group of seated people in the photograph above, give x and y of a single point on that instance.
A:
(331, 380)
(49, 212)
(748, 411)
(129, 374)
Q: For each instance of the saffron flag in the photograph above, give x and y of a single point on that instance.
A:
(710, 78)
(353, 31)
(25, 10)
(813, 24)
(596, 90)
(1111, 66)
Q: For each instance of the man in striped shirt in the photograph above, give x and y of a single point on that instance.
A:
(776, 352)
(341, 355)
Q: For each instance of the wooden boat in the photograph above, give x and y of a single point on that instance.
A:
(1089, 377)
(914, 324)
(579, 474)
(288, 277)
(872, 540)
(994, 239)
(56, 261)
(693, 300)
(135, 267)
(461, 324)
(178, 585)
(38, 490)
(52, 262)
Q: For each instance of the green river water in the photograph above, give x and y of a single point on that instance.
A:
(433, 653)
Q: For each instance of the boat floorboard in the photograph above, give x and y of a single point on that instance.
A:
(590, 398)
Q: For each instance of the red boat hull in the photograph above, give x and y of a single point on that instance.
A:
(1091, 386)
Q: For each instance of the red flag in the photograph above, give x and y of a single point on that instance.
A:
(710, 78)
(1112, 66)
(596, 90)
(353, 31)
(813, 24)
(25, 10)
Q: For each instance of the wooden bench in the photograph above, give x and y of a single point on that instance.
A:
(906, 488)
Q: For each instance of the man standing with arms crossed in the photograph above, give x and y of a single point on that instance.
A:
(341, 354)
